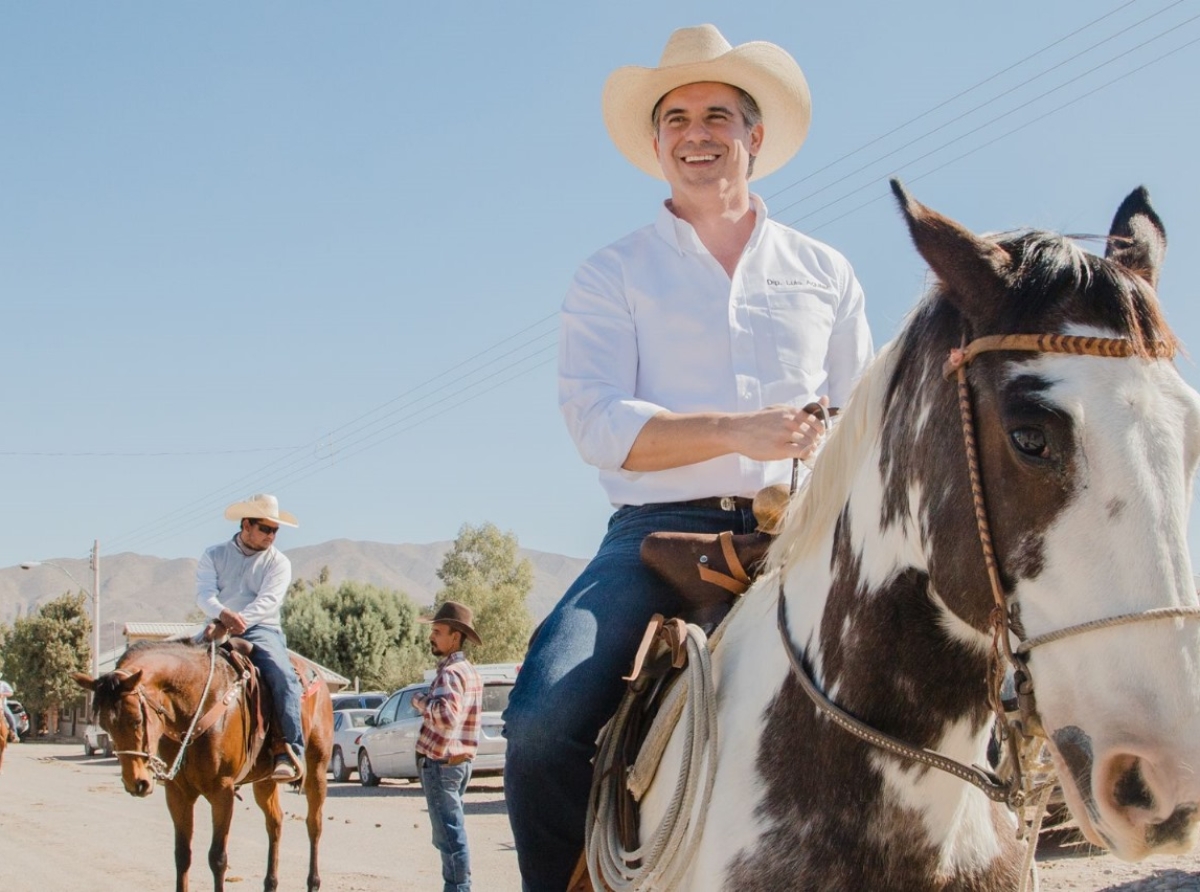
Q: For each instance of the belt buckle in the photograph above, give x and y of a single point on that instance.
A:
(728, 503)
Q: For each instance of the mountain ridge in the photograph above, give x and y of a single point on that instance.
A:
(141, 588)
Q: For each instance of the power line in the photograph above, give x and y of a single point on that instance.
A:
(998, 96)
(468, 390)
(965, 92)
(325, 440)
(159, 454)
(1005, 135)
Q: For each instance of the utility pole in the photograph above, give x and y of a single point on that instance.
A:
(96, 608)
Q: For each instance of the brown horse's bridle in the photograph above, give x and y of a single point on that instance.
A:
(200, 721)
(1019, 733)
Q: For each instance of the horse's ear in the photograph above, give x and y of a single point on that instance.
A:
(129, 681)
(84, 680)
(1137, 240)
(973, 269)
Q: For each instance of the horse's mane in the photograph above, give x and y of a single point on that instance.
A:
(1051, 276)
(180, 646)
(824, 494)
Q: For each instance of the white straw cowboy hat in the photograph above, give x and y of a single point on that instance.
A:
(702, 55)
(262, 507)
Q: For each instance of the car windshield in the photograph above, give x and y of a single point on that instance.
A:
(359, 720)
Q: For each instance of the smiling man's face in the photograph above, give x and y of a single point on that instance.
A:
(702, 137)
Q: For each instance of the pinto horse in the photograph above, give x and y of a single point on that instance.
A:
(879, 591)
(164, 695)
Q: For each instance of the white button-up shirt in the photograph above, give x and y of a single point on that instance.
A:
(653, 322)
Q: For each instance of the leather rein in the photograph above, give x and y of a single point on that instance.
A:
(1021, 733)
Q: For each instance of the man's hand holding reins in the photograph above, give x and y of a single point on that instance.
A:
(672, 440)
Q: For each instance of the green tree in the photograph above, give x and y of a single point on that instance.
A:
(483, 571)
(41, 651)
(359, 630)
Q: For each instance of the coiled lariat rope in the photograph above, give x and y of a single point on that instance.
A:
(661, 861)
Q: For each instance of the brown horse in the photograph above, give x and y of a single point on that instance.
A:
(178, 712)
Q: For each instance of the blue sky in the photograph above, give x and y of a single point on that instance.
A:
(318, 249)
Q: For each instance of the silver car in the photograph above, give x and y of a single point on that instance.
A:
(348, 725)
(388, 748)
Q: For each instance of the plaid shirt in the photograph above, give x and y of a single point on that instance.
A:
(451, 710)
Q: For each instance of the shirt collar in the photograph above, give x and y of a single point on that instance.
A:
(681, 235)
(243, 550)
(453, 658)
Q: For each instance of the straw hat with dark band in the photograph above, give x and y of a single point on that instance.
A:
(702, 55)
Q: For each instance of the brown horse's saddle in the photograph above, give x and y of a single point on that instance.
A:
(237, 652)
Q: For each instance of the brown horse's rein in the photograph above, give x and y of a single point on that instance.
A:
(1014, 792)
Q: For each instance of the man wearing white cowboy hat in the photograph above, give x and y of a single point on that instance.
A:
(687, 349)
(241, 584)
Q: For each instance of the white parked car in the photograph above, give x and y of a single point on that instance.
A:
(348, 725)
(388, 747)
(96, 740)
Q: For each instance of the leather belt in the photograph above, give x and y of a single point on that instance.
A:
(717, 503)
(451, 760)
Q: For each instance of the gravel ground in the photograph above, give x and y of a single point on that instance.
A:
(68, 826)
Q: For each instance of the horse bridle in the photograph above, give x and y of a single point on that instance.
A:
(1020, 733)
(195, 727)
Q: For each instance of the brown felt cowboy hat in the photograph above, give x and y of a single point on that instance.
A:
(456, 616)
(702, 55)
(261, 507)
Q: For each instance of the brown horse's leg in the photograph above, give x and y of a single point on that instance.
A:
(221, 802)
(182, 807)
(266, 794)
(315, 784)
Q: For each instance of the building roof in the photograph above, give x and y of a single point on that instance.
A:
(151, 631)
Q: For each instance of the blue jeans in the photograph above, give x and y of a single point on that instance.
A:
(444, 786)
(570, 685)
(270, 657)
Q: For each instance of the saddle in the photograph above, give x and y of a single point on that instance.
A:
(262, 734)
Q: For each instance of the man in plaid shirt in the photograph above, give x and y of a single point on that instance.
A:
(449, 738)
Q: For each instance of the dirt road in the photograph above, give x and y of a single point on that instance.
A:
(67, 825)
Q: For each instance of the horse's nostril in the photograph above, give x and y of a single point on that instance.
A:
(1131, 791)
(1174, 829)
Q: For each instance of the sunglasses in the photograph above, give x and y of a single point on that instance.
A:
(263, 528)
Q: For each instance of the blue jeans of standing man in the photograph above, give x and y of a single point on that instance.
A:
(444, 786)
(270, 657)
(570, 684)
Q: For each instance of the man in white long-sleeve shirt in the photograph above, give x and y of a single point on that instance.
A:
(242, 583)
(688, 349)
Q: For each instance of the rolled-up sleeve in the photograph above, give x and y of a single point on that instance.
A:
(597, 369)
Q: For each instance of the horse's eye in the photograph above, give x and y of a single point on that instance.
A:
(1030, 441)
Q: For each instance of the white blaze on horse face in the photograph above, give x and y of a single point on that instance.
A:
(1127, 698)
